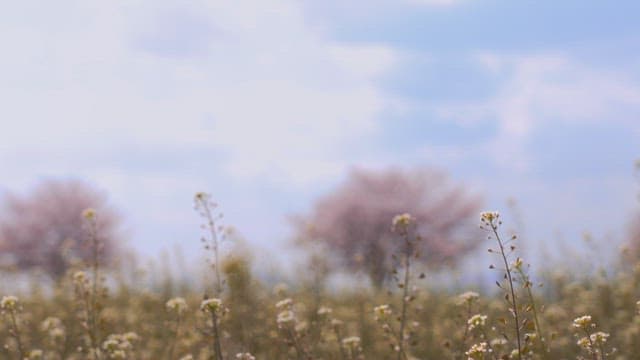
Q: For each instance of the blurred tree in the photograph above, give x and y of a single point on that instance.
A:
(633, 239)
(354, 221)
(632, 245)
(45, 229)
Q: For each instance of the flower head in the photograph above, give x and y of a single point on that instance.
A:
(89, 214)
(489, 217)
(382, 311)
(323, 310)
(213, 305)
(518, 263)
(131, 336)
(118, 354)
(50, 323)
(351, 341)
(499, 342)
(468, 297)
(202, 196)
(245, 356)
(584, 343)
(79, 277)
(582, 322)
(111, 344)
(476, 321)
(280, 289)
(286, 303)
(599, 338)
(402, 222)
(477, 351)
(177, 305)
(285, 317)
(9, 302)
(35, 354)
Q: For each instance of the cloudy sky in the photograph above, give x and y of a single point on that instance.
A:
(267, 104)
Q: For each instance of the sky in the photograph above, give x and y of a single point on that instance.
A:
(268, 104)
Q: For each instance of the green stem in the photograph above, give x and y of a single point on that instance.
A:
(514, 303)
(343, 355)
(214, 239)
(174, 340)
(16, 334)
(216, 337)
(405, 294)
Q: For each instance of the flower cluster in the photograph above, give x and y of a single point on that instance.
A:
(120, 346)
(36, 354)
(468, 297)
(599, 338)
(402, 222)
(593, 343)
(582, 322)
(212, 306)
(9, 303)
(286, 314)
(285, 317)
(351, 341)
(89, 214)
(489, 217)
(81, 281)
(177, 305)
(285, 303)
(382, 311)
(477, 351)
(323, 310)
(245, 356)
(476, 321)
(54, 328)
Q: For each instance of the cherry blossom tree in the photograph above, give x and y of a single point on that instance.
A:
(45, 228)
(354, 221)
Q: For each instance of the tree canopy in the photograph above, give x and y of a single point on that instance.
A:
(354, 220)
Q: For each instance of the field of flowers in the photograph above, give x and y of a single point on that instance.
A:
(99, 313)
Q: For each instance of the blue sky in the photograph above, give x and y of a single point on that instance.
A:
(267, 104)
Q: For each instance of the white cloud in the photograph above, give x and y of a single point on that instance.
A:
(250, 78)
(249, 88)
(542, 90)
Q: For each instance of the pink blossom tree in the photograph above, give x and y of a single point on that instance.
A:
(633, 234)
(354, 221)
(45, 229)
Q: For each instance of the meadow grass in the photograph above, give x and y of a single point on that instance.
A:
(93, 313)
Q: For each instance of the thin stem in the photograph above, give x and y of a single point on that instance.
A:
(343, 356)
(214, 240)
(591, 347)
(405, 294)
(175, 338)
(94, 294)
(90, 295)
(87, 305)
(527, 285)
(511, 288)
(216, 337)
(16, 333)
(601, 351)
(296, 344)
(466, 331)
(491, 350)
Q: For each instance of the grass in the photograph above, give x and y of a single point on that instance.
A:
(569, 318)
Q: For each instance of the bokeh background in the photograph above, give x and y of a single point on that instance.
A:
(267, 105)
